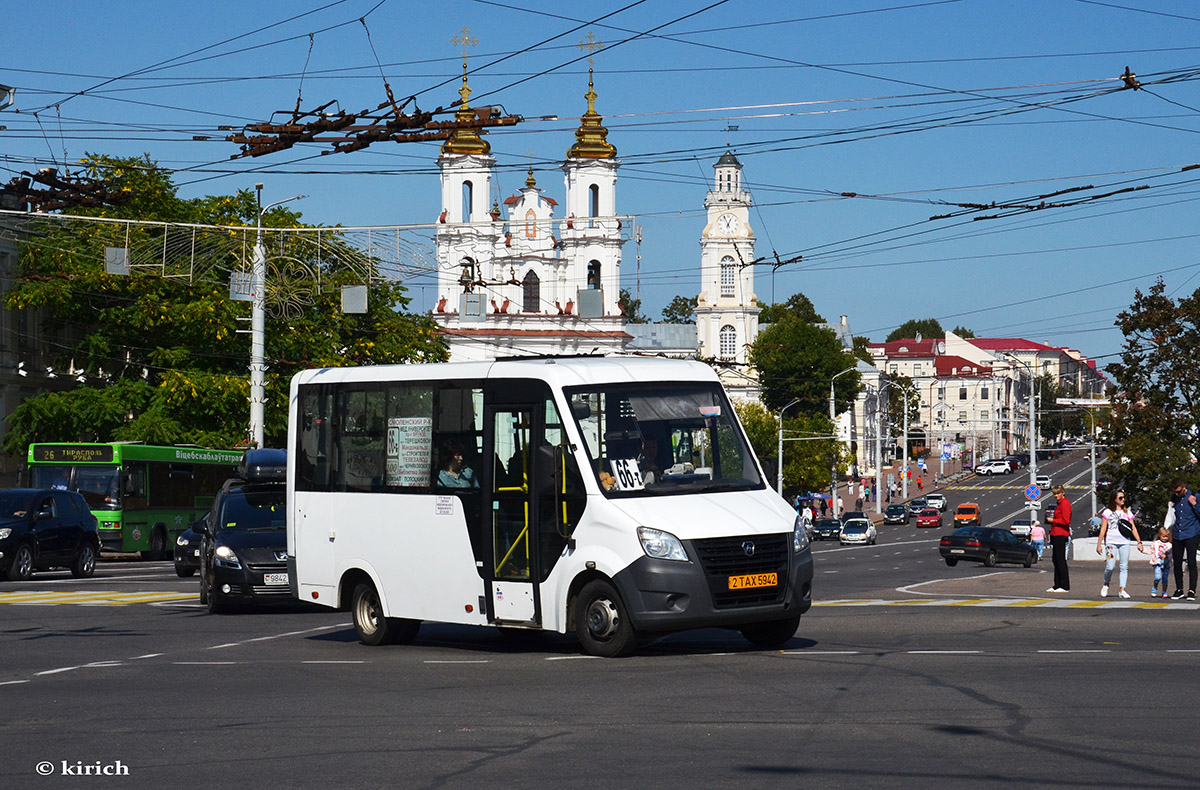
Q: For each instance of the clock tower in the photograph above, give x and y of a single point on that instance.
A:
(727, 307)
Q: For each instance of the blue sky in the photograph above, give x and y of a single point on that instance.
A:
(918, 109)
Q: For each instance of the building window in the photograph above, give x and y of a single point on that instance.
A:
(728, 277)
(893, 368)
(530, 224)
(532, 293)
(593, 204)
(467, 190)
(983, 415)
(916, 369)
(593, 281)
(941, 392)
(962, 417)
(962, 392)
(983, 393)
(728, 342)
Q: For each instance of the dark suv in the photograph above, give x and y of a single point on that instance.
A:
(243, 553)
(42, 529)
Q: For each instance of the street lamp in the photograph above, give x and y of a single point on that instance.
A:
(779, 474)
(258, 285)
(833, 492)
(1032, 418)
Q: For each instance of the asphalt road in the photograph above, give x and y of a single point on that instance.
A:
(906, 674)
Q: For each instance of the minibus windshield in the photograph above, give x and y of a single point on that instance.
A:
(653, 439)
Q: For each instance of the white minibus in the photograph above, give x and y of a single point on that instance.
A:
(613, 497)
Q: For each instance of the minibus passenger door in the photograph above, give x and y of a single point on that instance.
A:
(513, 583)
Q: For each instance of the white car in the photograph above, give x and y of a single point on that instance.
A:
(1021, 527)
(993, 468)
(937, 501)
(1043, 482)
(858, 530)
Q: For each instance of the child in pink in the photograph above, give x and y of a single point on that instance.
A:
(1160, 558)
(1037, 537)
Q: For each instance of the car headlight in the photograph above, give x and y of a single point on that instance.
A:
(799, 537)
(181, 541)
(227, 557)
(4, 533)
(661, 545)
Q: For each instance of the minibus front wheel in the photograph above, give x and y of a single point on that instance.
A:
(601, 622)
(370, 624)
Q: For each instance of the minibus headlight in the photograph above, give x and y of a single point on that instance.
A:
(227, 558)
(4, 533)
(799, 536)
(661, 545)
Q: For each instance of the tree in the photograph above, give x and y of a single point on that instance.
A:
(161, 359)
(681, 310)
(962, 331)
(926, 327)
(809, 452)
(860, 349)
(631, 307)
(797, 305)
(1154, 430)
(796, 359)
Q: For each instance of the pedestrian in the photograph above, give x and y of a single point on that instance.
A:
(920, 485)
(1118, 532)
(1037, 537)
(1060, 533)
(1185, 535)
(1160, 558)
(858, 503)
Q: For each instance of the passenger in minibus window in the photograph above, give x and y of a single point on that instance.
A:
(453, 474)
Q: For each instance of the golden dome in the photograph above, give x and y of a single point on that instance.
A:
(591, 138)
(466, 140)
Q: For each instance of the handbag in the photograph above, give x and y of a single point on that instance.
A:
(1125, 527)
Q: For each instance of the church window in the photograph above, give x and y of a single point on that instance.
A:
(532, 293)
(593, 281)
(593, 204)
(728, 349)
(728, 277)
(467, 189)
(530, 224)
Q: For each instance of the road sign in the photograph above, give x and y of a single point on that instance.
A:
(1032, 492)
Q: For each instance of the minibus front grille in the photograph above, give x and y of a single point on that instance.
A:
(724, 557)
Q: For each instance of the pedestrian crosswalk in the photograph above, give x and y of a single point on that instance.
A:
(91, 597)
(1047, 603)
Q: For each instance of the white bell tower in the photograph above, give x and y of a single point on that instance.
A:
(727, 306)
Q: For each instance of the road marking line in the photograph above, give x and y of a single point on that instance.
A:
(819, 652)
(1087, 604)
(944, 652)
(567, 658)
(1032, 602)
(333, 662)
(12, 682)
(204, 663)
(464, 661)
(1074, 651)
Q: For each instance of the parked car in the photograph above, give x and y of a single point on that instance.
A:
(827, 529)
(187, 549)
(243, 554)
(42, 529)
(929, 517)
(1043, 482)
(989, 545)
(915, 506)
(968, 513)
(1015, 462)
(895, 514)
(1021, 527)
(994, 468)
(858, 530)
(938, 501)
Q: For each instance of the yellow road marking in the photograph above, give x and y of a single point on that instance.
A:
(92, 598)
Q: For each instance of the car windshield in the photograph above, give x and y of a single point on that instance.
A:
(247, 510)
(13, 504)
(653, 439)
(965, 510)
(829, 522)
(895, 508)
(855, 526)
(929, 513)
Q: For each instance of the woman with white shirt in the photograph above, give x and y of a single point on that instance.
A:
(1115, 521)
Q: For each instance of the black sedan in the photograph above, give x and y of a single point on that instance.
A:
(915, 506)
(827, 529)
(187, 549)
(988, 545)
(895, 514)
(42, 529)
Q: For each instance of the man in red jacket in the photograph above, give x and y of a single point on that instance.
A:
(1060, 535)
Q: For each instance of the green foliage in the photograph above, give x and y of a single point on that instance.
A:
(681, 310)
(797, 305)
(962, 331)
(632, 308)
(1155, 411)
(860, 349)
(927, 327)
(162, 359)
(796, 359)
(808, 454)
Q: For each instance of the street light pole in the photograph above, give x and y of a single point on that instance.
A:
(258, 284)
(833, 489)
(1032, 418)
(779, 473)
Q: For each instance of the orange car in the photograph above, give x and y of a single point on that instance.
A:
(967, 514)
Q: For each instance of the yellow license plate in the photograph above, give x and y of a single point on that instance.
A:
(753, 580)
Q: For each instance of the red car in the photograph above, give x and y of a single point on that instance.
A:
(929, 517)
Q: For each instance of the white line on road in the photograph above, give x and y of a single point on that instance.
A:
(1074, 651)
(464, 661)
(944, 652)
(567, 658)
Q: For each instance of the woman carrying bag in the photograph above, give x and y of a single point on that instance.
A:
(1117, 533)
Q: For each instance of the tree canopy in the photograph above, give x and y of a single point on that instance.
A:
(681, 310)
(927, 327)
(1154, 435)
(631, 307)
(797, 305)
(796, 359)
(162, 359)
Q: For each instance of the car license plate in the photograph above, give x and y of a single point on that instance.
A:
(958, 551)
(275, 578)
(753, 580)
(196, 552)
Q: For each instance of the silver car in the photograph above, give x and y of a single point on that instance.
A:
(858, 530)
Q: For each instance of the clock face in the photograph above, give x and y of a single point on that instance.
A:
(727, 224)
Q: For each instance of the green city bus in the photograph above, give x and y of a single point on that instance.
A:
(143, 496)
